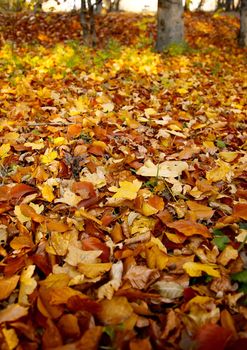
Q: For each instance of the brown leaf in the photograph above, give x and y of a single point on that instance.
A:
(114, 311)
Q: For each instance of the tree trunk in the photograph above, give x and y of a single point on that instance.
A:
(170, 23)
(243, 24)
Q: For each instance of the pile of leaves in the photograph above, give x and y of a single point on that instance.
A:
(123, 189)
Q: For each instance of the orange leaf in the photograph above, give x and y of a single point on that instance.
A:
(58, 226)
(7, 286)
(240, 210)
(74, 130)
(200, 211)
(190, 228)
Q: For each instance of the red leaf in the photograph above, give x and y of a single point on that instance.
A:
(212, 336)
(93, 243)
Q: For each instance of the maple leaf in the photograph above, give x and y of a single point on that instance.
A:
(49, 156)
(167, 169)
(127, 190)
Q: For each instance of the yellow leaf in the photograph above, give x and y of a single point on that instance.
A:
(142, 224)
(127, 190)
(69, 198)
(228, 254)
(182, 91)
(199, 300)
(59, 141)
(228, 156)
(4, 149)
(108, 107)
(219, 173)
(165, 169)
(10, 338)
(11, 136)
(22, 218)
(35, 145)
(200, 211)
(148, 210)
(47, 192)
(27, 285)
(94, 270)
(156, 258)
(195, 269)
(49, 156)
(76, 256)
(59, 280)
(149, 112)
(58, 243)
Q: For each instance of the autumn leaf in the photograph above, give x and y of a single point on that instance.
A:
(212, 335)
(189, 228)
(11, 338)
(27, 285)
(4, 150)
(49, 156)
(114, 311)
(221, 172)
(7, 286)
(12, 313)
(165, 169)
(127, 190)
(169, 290)
(194, 269)
(200, 211)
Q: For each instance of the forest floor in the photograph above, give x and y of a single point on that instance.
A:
(123, 194)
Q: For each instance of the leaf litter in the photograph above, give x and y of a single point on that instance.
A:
(123, 185)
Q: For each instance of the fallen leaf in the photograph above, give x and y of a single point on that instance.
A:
(11, 338)
(12, 313)
(169, 169)
(7, 286)
(27, 285)
(189, 228)
(127, 190)
(194, 269)
(114, 311)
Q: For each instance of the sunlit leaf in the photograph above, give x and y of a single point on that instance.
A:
(11, 338)
(165, 169)
(7, 286)
(27, 285)
(195, 269)
(127, 190)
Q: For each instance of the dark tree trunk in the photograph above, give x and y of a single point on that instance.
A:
(170, 23)
(87, 22)
(243, 24)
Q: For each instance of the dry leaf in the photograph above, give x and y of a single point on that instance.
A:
(195, 269)
(7, 286)
(167, 169)
(27, 285)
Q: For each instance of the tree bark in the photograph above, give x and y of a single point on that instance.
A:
(170, 23)
(243, 24)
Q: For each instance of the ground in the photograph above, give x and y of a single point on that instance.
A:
(123, 196)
